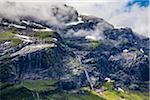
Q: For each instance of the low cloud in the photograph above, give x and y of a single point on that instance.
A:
(115, 12)
(136, 18)
(96, 34)
(50, 13)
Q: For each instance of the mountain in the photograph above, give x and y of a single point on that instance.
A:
(82, 58)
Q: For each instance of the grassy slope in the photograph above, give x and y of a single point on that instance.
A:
(39, 85)
(67, 96)
(14, 92)
(28, 90)
(43, 35)
(9, 36)
(111, 94)
(132, 95)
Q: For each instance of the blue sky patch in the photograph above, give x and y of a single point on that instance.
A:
(142, 3)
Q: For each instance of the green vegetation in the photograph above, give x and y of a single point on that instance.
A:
(40, 90)
(95, 44)
(14, 92)
(15, 41)
(12, 29)
(131, 95)
(133, 49)
(74, 96)
(47, 36)
(137, 51)
(111, 94)
(47, 90)
(9, 36)
(108, 86)
(39, 85)
(26, 90)
(5, 36)
(44, 35)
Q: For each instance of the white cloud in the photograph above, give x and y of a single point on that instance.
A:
(137, 19)
(111, 10)
(96, 34)
(51, 12)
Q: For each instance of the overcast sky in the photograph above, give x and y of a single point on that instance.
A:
(120, 13)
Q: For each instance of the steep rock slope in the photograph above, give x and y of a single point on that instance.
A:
(85, 52)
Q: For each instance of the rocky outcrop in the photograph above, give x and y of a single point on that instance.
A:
(40, 61)
(75, 59)
(121, 56)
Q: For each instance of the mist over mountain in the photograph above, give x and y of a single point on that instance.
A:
(52, 52)
(50, 14)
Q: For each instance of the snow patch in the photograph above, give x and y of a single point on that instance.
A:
(120, 89)
(108, 79)
(88, 37)
(42, 30)
(26, 22)
(36, 24)
(76, 22)
(141, 50)
(7, 43)
(17, 26)
(32, 48)
(125, 50)
(24, 38)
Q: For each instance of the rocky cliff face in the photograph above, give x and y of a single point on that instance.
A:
(30, 50)
(39, 61)
(124, 60)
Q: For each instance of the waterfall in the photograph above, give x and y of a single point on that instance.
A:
(88, 78)
(38, 97)
(86, 73)
(33, 95)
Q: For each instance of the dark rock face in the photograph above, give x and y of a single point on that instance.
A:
(44, 64)
(65, 13)
(41, 60)
(121, 55)
(130, 71)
